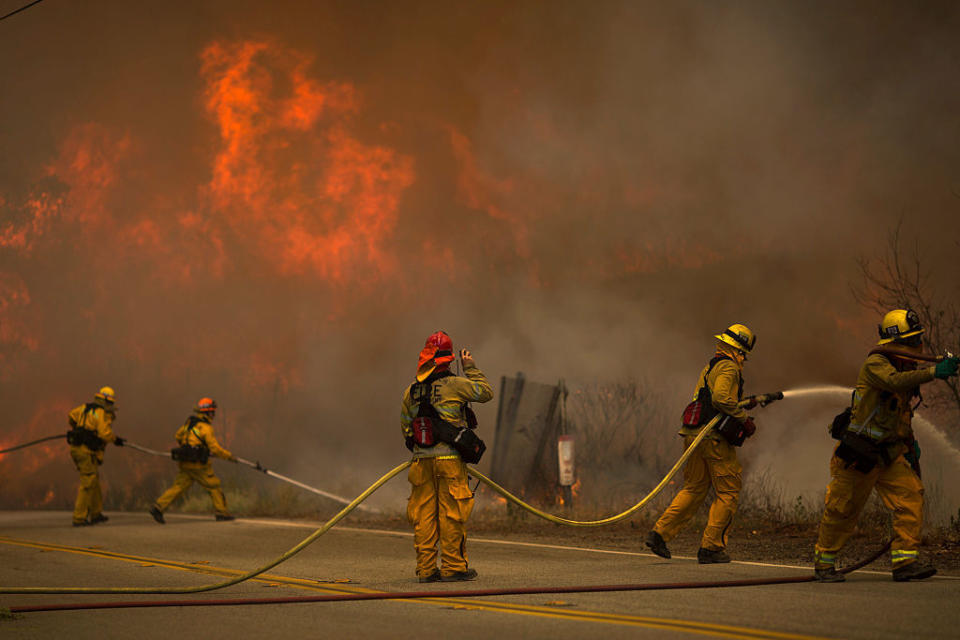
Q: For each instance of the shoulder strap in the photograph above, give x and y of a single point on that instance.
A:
(713, 362)
(87, 408)
(425, 407)
(191, 423)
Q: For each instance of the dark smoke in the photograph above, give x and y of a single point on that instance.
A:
(576, 190)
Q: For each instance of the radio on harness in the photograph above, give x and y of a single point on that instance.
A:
(429, 428)
(701, 411)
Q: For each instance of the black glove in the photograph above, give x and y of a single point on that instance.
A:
(119, 441)
(751, 402)
(409, 441)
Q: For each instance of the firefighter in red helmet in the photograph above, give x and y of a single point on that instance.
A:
(197, 444)
(440, 499)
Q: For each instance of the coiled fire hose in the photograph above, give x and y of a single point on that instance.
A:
(369, 491)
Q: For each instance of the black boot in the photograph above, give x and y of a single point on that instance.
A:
(657, 545)
(433, 577)
(157, 514)
(828, 574)
(97, 519)
(914, 571)
(712, 556)
(469, 574)
(221, 517)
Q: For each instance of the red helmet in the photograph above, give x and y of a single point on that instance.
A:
(437, 352)
(442, 342)
(206, 405)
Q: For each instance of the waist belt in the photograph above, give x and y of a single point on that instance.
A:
(79, 436)
(190, 453)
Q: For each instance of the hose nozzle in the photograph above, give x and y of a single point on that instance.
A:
(763, 399)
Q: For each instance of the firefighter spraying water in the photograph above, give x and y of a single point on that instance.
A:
(878, 450)
(719, 390)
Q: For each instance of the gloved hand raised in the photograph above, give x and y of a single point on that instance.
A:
(946, 367)
(749, 428)
(119, 441)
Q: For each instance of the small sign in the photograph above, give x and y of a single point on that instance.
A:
(565, 457)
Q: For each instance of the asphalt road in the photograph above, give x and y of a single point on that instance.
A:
(42, 549)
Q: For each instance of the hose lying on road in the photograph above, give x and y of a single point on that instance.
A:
(472, 593)
(220, 585)
(356, 502)
(350, 507)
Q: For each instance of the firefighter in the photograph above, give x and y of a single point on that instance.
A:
(90, 431)
(440, 499)
(714, 463)
(197, 444)
(877, 450)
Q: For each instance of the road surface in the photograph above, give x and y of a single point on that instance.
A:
(42, 549)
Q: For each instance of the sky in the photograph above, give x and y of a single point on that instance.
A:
(273, 204)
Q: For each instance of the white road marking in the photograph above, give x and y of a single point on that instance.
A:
(540, 545)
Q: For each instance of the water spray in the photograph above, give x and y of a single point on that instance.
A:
(821, 389)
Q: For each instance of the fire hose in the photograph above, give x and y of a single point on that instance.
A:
(465, 593)
(253, 465)
(32, 442)
(376, 485)
(273, 474)
(343, 512)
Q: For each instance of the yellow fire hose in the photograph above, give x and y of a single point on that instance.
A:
(356, 502)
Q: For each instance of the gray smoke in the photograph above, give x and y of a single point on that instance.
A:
(578, 191)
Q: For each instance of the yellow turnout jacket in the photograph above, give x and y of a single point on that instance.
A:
(201, 434)
(448, 395)
(882, 399)
(97, 420)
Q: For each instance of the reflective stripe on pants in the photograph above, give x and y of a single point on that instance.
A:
(899, 488)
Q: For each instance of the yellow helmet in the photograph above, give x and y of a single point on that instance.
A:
(106, 394)
(899, 324)
(739, 337)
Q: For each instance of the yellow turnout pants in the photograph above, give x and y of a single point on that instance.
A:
(440, 503)
(203, 475)
(89, 502)
(715, 464)
(902, 493)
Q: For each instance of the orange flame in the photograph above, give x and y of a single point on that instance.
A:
(289, 173)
